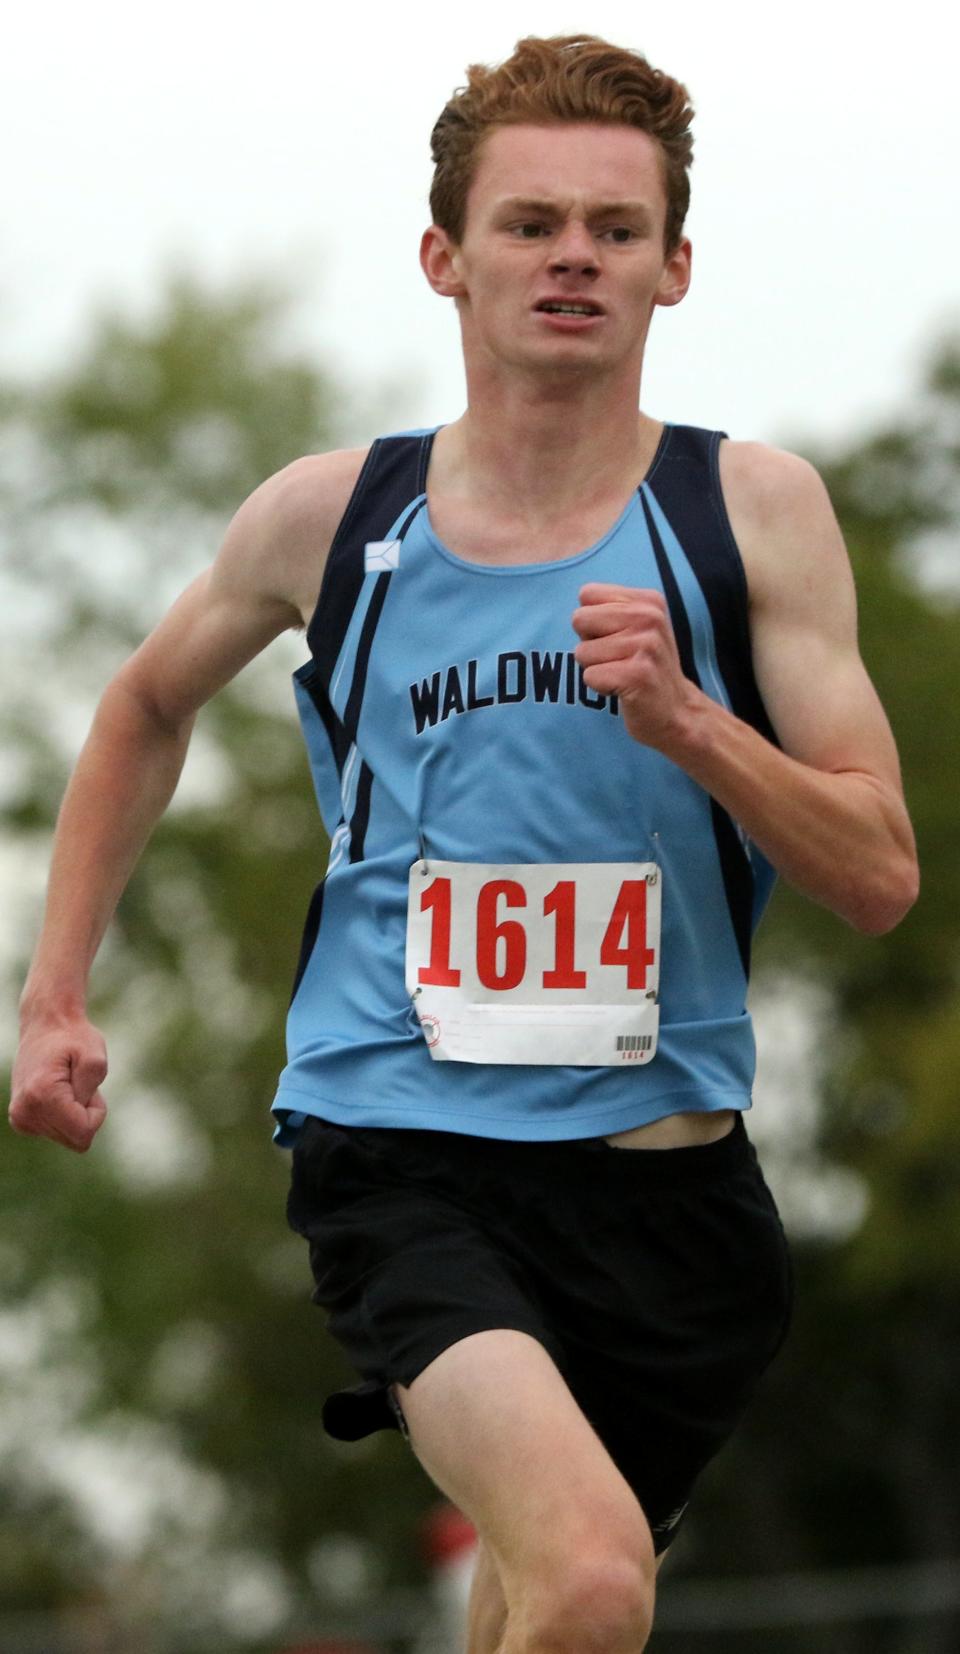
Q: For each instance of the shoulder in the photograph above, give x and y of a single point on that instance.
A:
(308, 496)
(782, 520)
(766, 484)
(279, 538)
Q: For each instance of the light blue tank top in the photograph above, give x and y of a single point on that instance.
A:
(444, 714)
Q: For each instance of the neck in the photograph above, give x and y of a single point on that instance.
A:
(530, 445)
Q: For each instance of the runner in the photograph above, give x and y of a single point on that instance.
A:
(579, 682)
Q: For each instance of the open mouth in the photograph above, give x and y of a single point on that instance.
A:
(575, 307)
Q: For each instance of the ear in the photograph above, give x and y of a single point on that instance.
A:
(673, 284)
(440, 263)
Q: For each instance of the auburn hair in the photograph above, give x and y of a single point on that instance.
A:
(563, 78)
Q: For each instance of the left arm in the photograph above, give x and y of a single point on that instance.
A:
(828, 809)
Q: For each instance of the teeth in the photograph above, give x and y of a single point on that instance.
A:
(569, 309)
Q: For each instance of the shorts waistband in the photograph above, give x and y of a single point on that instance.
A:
(569, 1161)
(594, 1161)
(671, 1168)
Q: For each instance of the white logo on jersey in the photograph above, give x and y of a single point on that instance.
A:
(381, 556)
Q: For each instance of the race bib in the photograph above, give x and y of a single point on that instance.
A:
(535, 963)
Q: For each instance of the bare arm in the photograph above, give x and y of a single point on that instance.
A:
(265, 580)
(827, 809)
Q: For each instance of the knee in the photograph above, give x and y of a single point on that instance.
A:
(600, 1605)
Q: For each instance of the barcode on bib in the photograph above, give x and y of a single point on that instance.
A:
(634, 1042)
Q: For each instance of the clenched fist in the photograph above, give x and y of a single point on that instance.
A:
(628, 649)
(59, 1068)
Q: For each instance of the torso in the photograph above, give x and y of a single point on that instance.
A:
(503, 541)
(675, 1131)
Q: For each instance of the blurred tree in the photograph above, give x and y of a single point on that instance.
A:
(190, 1301)
(154, 1305)
(852, 1452)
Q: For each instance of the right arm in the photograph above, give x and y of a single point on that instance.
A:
(264, 581)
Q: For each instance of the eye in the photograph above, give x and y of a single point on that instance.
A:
(620, 233)
(529, 231)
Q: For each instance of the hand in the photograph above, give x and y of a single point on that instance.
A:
(629, 650)
(57, 1073)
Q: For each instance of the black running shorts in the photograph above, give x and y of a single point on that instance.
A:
(657, 1279)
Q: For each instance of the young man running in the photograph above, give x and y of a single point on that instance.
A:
(579, 682)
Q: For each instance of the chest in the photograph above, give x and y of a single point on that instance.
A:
(481, 536)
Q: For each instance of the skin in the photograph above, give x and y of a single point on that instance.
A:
(541, 464)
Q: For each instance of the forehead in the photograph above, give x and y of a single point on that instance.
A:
(570, 160)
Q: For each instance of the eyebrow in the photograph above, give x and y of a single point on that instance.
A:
(600, 209)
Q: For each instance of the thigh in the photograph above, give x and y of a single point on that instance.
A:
(495, 1425)
(403, 1266)
(682, 1300)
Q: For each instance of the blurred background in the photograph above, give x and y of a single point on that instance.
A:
(208, 268)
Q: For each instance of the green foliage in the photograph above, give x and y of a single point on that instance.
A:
(895, 1095)
(868, 1380)
(119, 479)
(188, 413)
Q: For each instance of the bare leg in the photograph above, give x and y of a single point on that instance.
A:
(487, 1617)
(495, 1426)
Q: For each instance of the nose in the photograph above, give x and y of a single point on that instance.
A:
(574, 250)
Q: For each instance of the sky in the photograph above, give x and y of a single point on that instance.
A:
(290, 141)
